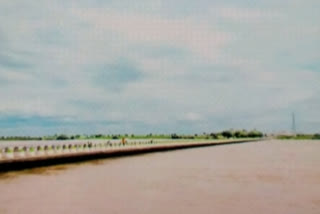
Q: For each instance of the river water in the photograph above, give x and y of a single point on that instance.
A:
(262, 177)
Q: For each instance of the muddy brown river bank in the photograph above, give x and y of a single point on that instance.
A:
(265, 177)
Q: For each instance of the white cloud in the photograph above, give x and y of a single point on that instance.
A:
(247, 14)
(198, 37)
(192, 116)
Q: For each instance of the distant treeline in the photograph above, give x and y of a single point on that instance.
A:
(213, 135)
(300, 137)
(20, 138)
(222, 135)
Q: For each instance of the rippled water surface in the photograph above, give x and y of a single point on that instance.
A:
(264, 177)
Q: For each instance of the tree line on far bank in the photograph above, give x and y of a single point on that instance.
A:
(212, 135)
(300, 137)
(223, 135)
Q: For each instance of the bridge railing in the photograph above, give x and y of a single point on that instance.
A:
(51, 149)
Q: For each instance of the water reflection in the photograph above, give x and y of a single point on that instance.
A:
(35, 171)
(53, 170)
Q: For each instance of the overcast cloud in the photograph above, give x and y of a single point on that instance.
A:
(160, 66)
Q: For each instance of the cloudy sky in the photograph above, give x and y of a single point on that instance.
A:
(159, 66)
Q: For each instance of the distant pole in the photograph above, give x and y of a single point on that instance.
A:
(293, 124)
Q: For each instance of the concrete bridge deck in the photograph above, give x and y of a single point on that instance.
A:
(45, 154)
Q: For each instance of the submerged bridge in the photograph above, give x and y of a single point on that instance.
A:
(23, 155)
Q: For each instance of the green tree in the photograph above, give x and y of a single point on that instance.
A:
(227, 134)
(62, 137)
(316, 136)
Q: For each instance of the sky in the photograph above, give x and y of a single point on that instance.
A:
(158, 66)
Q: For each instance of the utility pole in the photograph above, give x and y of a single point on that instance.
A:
(293, 127)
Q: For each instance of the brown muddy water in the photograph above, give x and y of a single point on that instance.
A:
(263, 177)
